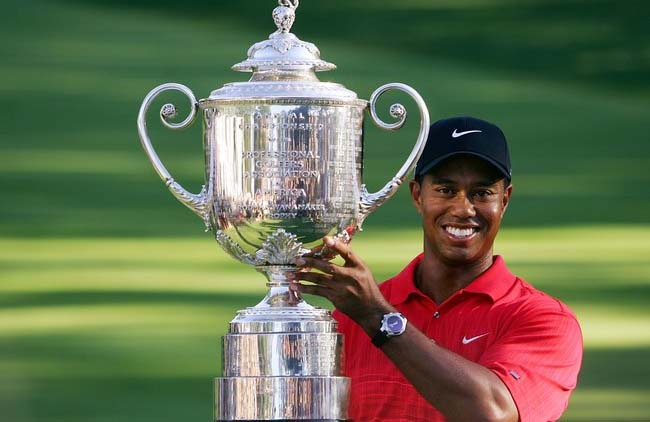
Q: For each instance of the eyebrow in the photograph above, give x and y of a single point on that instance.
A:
(443, 181)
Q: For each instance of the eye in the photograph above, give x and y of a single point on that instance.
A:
(444, 190)
(483, 193)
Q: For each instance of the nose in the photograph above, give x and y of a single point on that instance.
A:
(462, 206)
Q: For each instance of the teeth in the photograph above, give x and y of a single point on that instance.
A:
(455, 231)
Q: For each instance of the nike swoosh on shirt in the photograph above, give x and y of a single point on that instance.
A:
(459, 134)
(471, 339)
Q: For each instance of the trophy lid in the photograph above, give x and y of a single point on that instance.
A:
(284, 67)
(283, 51)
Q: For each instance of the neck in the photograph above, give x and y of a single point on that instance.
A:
(439, 280)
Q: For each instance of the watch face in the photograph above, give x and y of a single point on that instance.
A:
(394, 323)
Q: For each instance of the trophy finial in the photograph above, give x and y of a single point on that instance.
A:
(285, 15)
(283, 51)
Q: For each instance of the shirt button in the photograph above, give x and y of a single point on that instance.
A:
(436, 314)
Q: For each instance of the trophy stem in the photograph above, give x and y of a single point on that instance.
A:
(279, 294)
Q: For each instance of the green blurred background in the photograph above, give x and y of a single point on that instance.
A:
(113, 301)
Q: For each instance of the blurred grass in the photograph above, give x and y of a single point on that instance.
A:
(112, 303)
(128, 329)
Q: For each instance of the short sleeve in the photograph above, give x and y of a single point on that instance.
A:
(538, 357)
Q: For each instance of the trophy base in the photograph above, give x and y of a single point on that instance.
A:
(282, 361)
(296, 398)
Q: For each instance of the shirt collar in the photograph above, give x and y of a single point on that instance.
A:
(405, 286)
(495, 282)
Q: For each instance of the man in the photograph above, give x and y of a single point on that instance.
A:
(455, 336)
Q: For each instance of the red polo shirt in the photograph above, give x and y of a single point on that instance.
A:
(531, 341)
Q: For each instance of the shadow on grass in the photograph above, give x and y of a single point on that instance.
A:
(618, 295)
(594, 43)
(54, 299)
(111, 400)
(624, 368)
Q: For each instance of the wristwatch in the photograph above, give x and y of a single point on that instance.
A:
(392, 325)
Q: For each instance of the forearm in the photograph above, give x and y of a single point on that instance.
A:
(460, 389)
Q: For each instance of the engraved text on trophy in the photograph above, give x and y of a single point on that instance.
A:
(293, 167)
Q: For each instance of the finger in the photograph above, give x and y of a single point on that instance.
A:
(311, 289)
(315, 251)
(342, 249)
(316, 278)
(323, 265)
(320, 252)
(299, 269)
(325, 253)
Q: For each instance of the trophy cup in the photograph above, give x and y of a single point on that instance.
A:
(283, 168)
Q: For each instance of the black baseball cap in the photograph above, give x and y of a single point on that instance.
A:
(465, 135)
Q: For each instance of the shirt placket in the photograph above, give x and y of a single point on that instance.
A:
(435, 325)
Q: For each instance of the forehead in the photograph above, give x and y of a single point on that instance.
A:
(466, 167)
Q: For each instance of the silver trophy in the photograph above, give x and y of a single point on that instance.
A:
(283, 168)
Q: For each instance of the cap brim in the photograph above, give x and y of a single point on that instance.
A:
(506, 174)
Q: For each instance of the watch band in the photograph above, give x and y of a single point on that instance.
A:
(380, 338)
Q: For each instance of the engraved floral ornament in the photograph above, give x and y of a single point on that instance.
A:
(279, 248)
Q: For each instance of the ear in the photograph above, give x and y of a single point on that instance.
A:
(416, 195)
(506, 199)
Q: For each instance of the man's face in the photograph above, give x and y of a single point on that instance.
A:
(461, 203)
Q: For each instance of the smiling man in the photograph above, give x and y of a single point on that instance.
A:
(455, 336)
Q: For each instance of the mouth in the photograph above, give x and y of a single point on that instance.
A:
(458, 232)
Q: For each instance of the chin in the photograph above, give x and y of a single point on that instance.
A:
(460, 257)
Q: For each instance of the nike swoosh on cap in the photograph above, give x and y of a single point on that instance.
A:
(457, 134)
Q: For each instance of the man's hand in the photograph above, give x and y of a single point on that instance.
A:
(351, 287)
